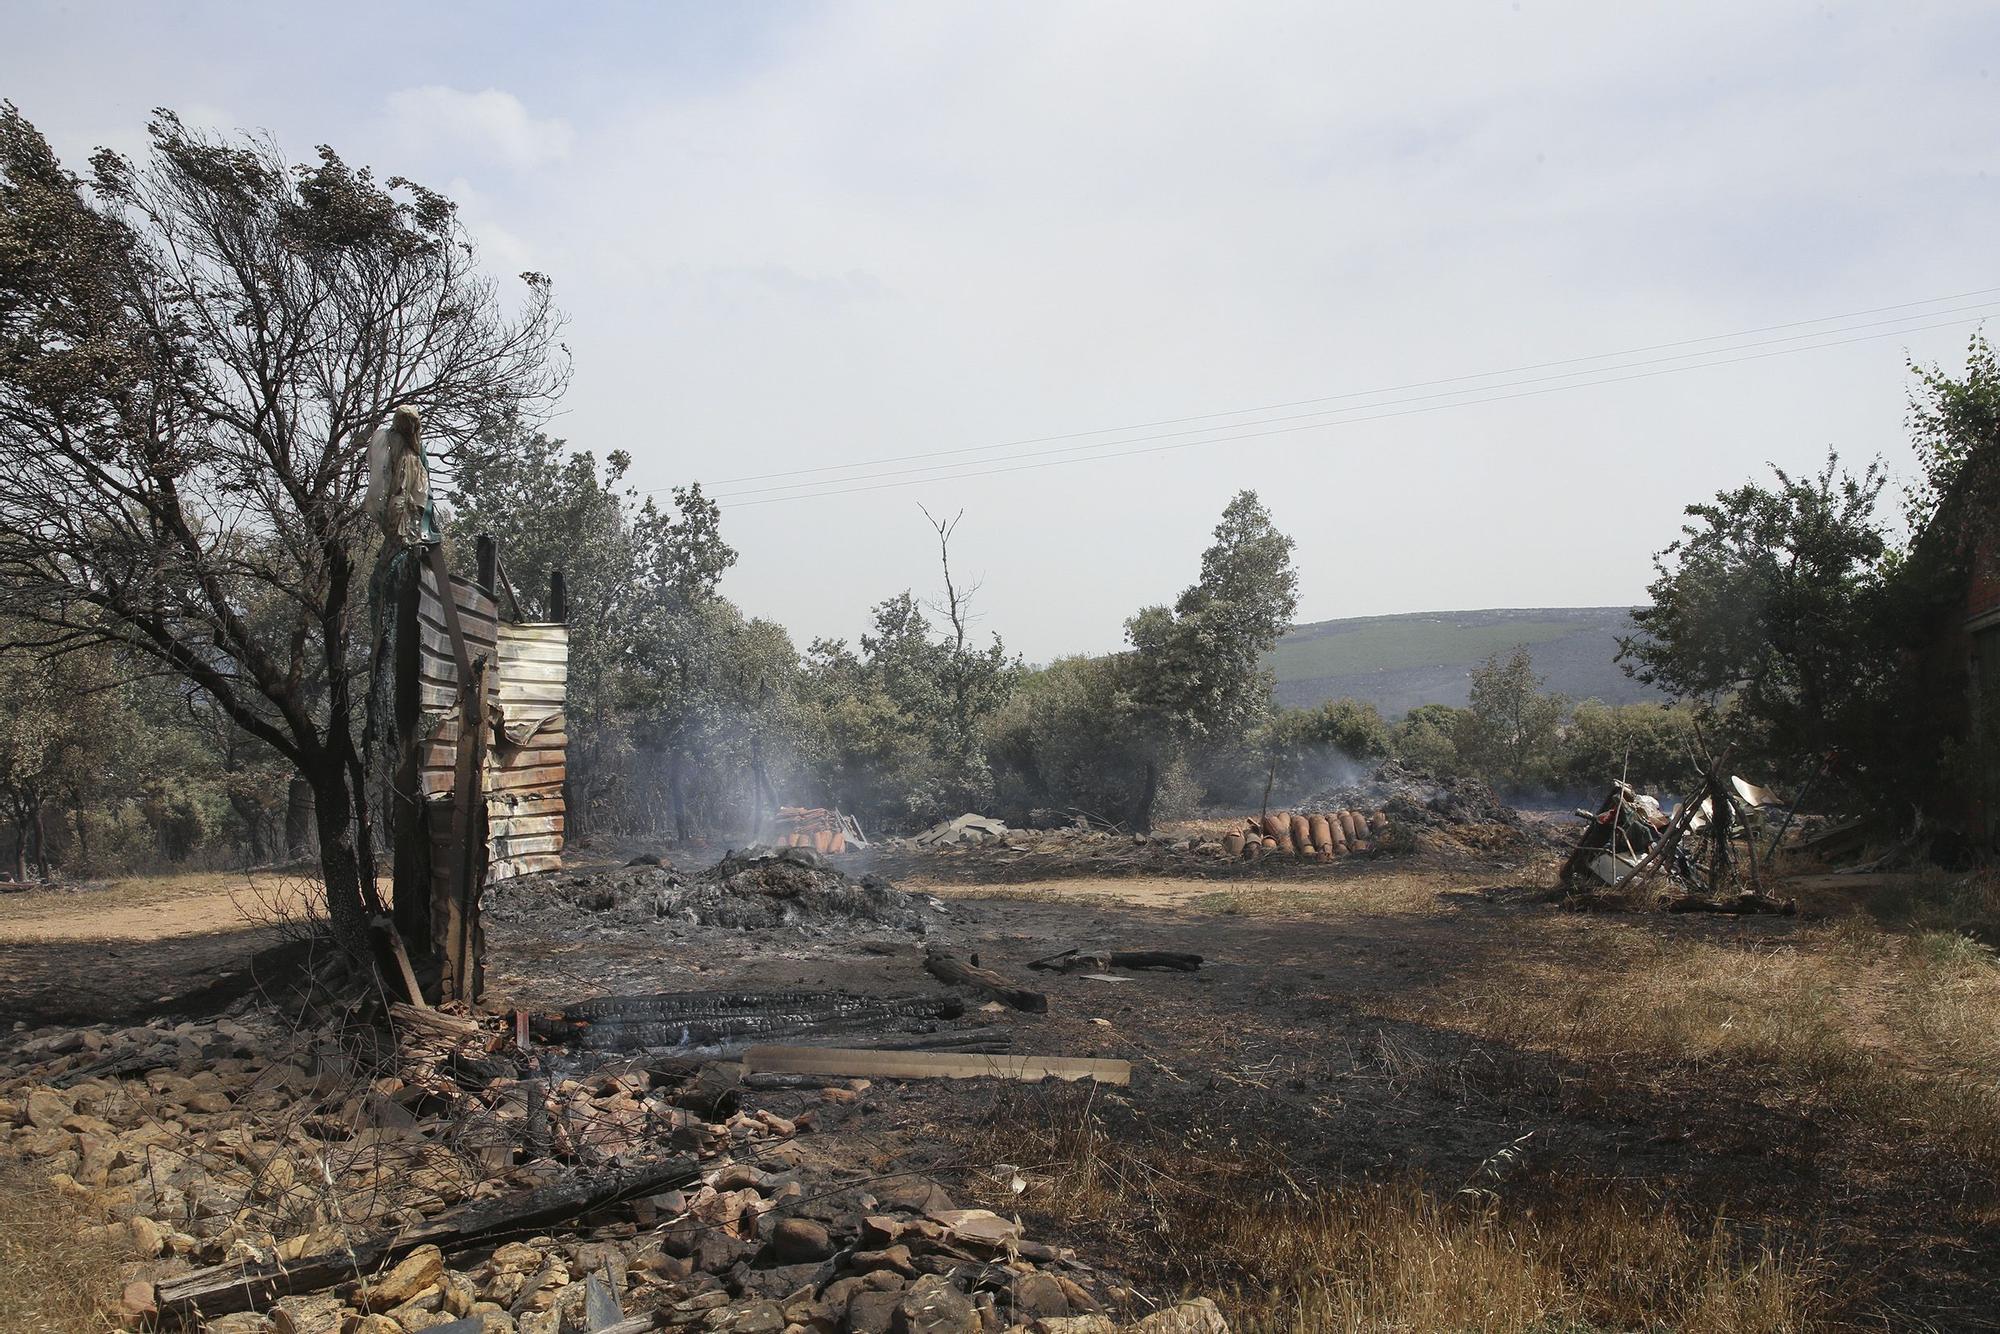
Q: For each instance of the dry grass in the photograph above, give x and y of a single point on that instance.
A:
(1552, 1256)
(54, 1274)
(1899, 1034)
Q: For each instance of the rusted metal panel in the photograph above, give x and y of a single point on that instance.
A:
(523, 769)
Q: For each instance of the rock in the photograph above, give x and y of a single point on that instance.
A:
(516, 1258)
(376, 1324)
(762, 1317)
(420, 1271)
(1199, 1316)
(933, 1306)
(717, 1252)
(739, 1176)
(317, 1313)
(896, 1259)
(871, 1312)
(912, 1195)
(797, 1241)
(148, 1237)
(879, 1230)
(1037, 1295)
(138, 1303)
(980, 1227)
(1074, 1324)
(46, 1109)
(238, 1322)
(460, 1296)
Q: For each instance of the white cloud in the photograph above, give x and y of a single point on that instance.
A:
(493, 125)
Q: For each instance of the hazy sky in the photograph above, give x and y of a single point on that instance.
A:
(795, 236)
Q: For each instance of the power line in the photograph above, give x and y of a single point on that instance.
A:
(1359, 393)
(1350, 421)
(945, 468)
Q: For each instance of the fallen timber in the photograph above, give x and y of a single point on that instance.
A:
(949, 968)
(223, 1289)
(1068, 960)
(931, 1065)
(719, 1019)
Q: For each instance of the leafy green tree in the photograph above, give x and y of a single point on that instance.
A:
(1651, 744)
(1305, 748)
(1060, 743)
(194, 350)
(1195, 670)
(1770, 610)
(1508, 733)
(1426, 739)
(553, 508)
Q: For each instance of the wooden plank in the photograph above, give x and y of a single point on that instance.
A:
(856, 1063)
(441, 575)
(546, 775)
(521, 845)
(520, 826)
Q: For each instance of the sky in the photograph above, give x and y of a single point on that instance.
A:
(997, 244)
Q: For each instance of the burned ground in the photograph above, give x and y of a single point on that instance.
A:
(1801, 1105)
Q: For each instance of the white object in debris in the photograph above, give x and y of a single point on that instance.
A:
(1104, 977)
(967, 828)
(1611, 870)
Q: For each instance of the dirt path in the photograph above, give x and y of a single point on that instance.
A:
(126, 949)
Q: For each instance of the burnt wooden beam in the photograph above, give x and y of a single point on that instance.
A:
(956, 971)
(224, 1289)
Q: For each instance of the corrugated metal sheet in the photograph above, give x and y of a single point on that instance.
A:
(525, 767)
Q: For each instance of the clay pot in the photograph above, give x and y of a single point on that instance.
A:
(1232, 845)
(1302, 838)
(1322, 836)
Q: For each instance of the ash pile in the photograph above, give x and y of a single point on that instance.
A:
(760, 889)
(1440, 813)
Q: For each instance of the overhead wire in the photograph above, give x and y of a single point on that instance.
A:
(1369, 393)
(834, 487)
(948, 469)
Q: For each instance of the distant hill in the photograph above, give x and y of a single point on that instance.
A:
(1399, 662)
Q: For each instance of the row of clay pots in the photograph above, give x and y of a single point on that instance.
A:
(1323, 837)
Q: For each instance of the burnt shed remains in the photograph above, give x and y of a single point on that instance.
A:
(467, 705)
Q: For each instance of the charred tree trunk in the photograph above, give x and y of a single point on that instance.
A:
(1149, 791)
(677, 795)
(20, 843)
(41, 840)
(299, 819)
(339, 857)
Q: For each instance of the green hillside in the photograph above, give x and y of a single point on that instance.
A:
(1399, 662)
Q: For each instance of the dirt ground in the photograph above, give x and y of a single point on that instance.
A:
(1360, 1024)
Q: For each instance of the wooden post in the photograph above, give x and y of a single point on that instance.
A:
(486, 559)
(468, 863)
(409, 815)
(558, 598)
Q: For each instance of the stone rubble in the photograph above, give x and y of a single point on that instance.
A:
(237, 1141)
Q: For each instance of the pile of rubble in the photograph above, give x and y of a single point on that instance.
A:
(263, 1180)
(1438, 812)
(761, 889)
(967, 829)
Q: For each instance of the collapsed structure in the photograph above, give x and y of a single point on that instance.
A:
(467, 705)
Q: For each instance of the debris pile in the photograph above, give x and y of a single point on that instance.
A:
(1446, 813)
(817, 828)
(760, 889)
(265, 1180)
(965, 829)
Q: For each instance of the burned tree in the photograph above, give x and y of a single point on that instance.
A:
(194, 350)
